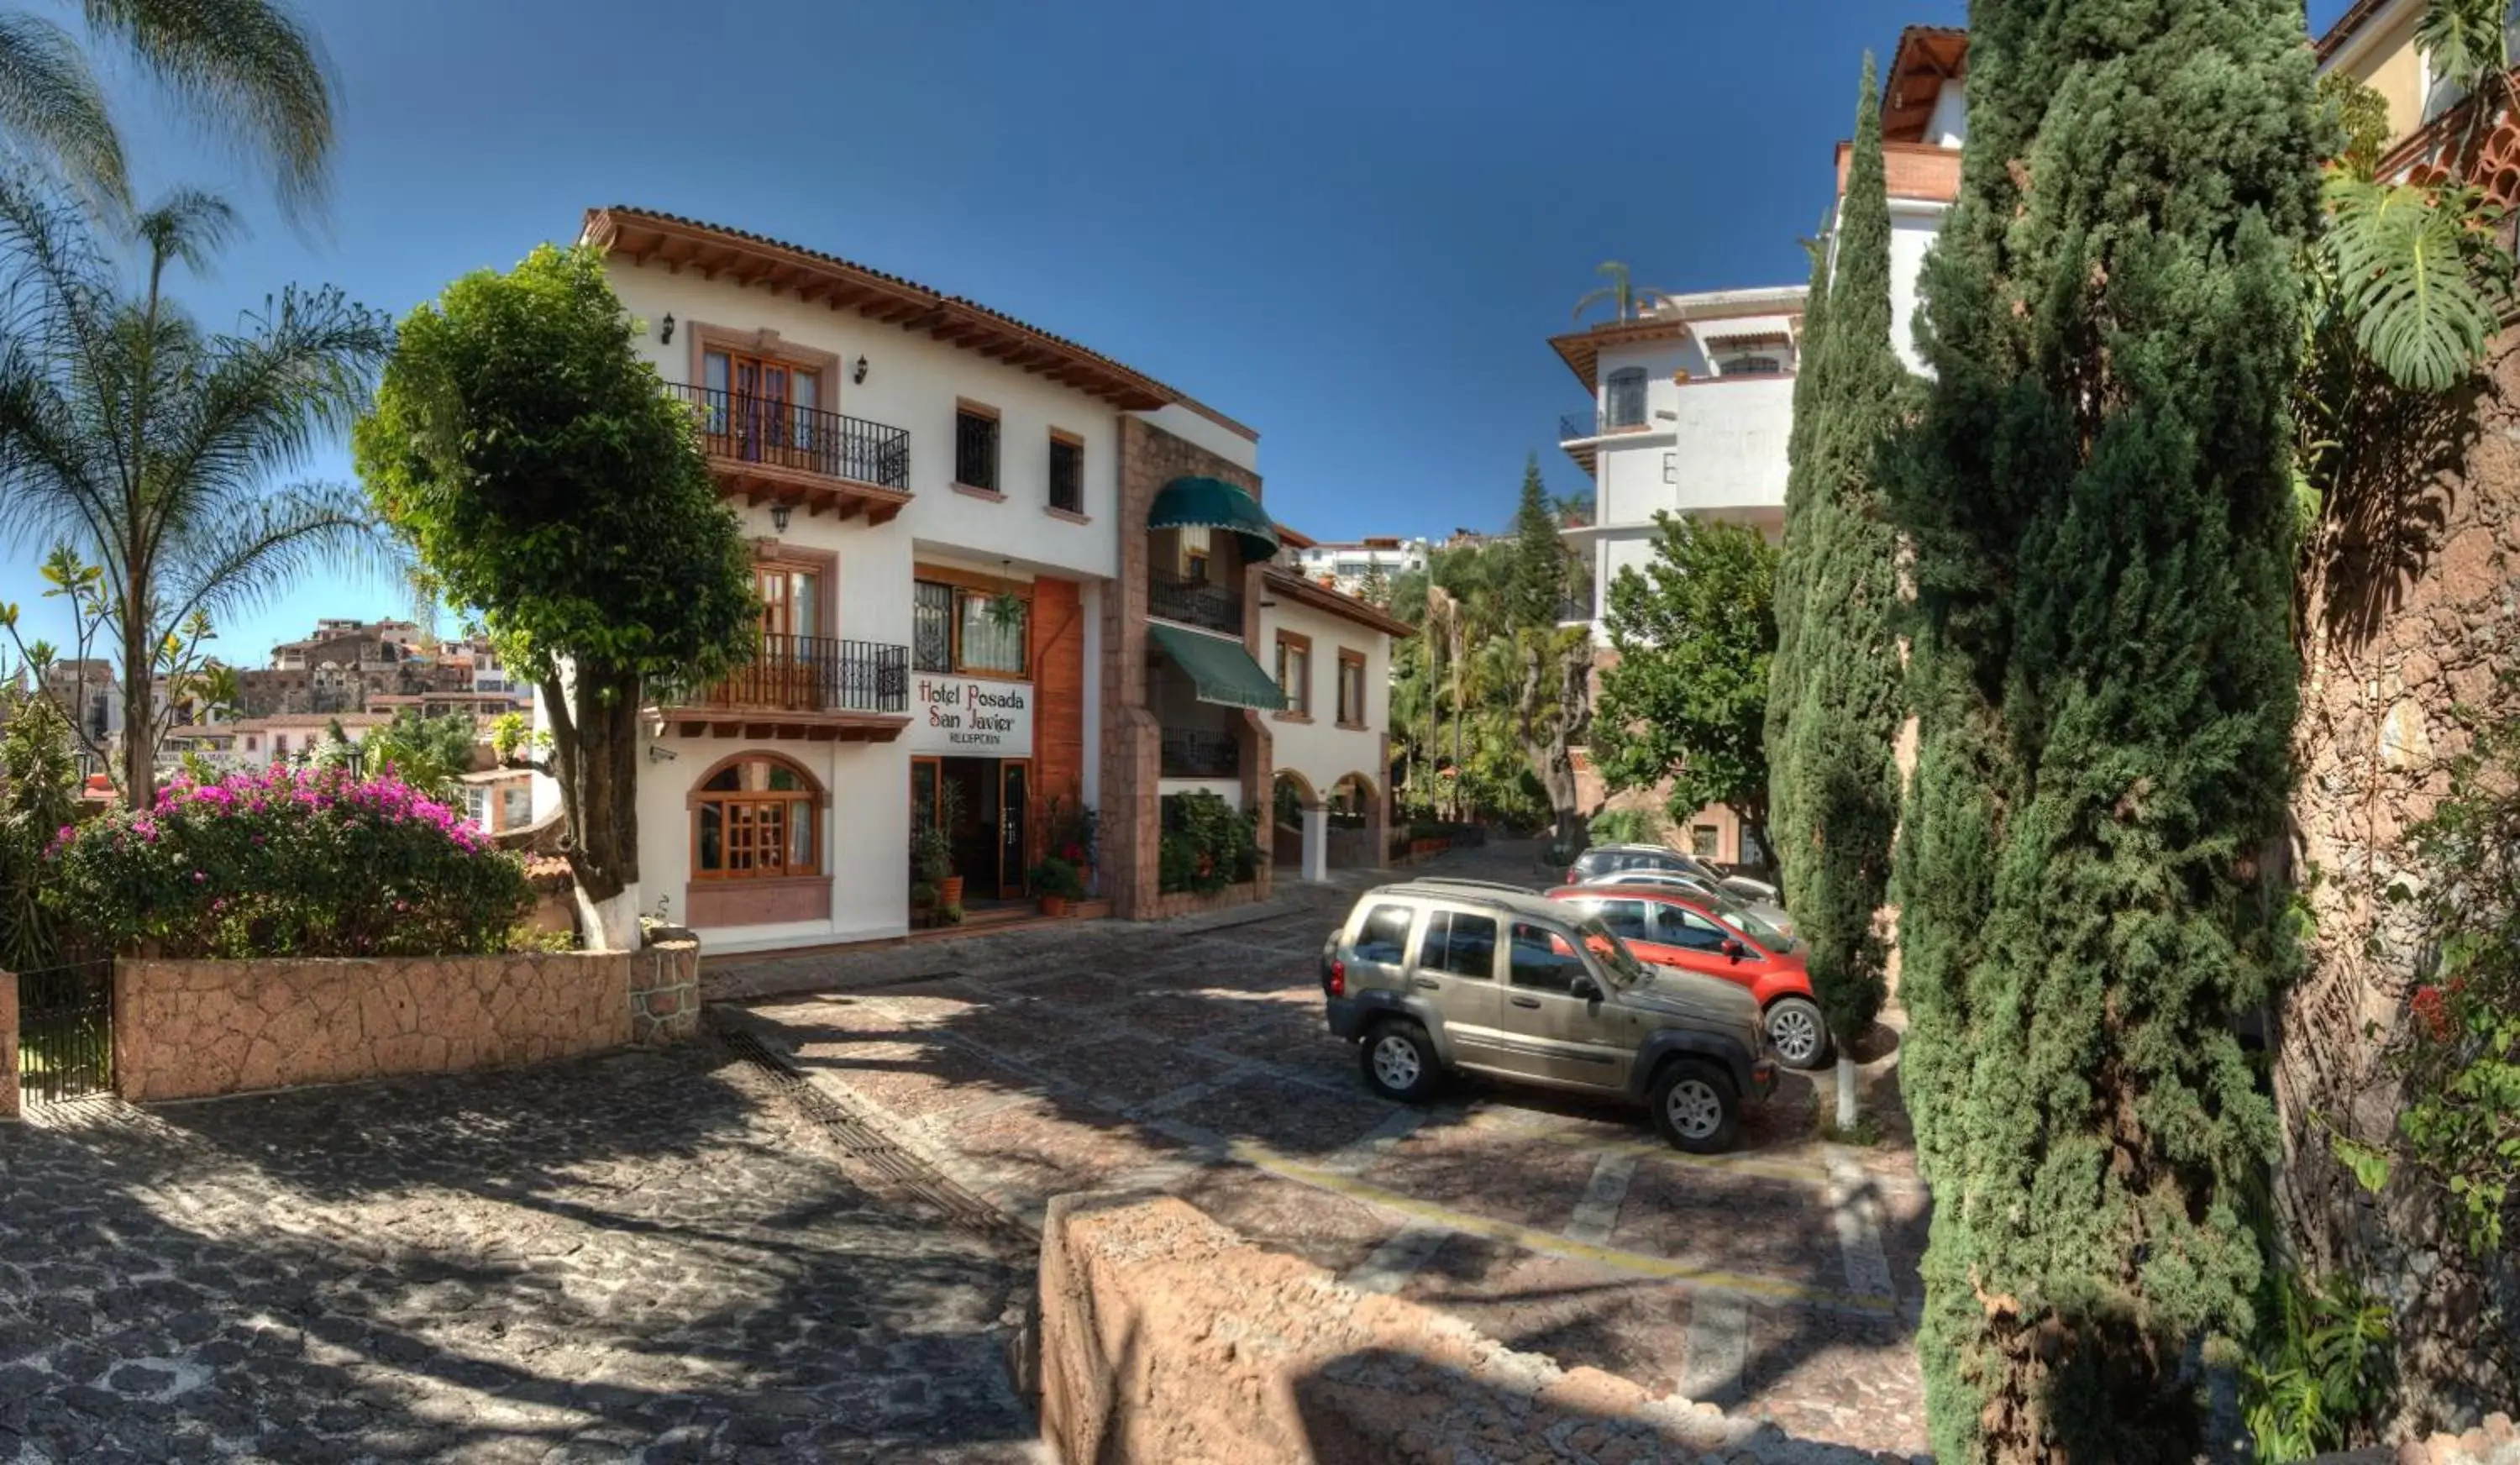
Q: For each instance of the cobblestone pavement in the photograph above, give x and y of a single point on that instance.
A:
(646, 1257)
(1192, 1057)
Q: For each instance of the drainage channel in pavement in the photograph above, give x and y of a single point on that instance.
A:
(904, 1171)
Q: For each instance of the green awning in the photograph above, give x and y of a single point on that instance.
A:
(1214, 504)
(1220, 670)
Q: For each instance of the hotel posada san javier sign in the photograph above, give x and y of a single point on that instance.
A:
(965, 718)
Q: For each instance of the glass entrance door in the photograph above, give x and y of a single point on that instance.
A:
(1013, 778)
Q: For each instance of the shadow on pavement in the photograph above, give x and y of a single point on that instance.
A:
(584, 1259)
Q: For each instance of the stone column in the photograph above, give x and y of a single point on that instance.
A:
(1317, 843)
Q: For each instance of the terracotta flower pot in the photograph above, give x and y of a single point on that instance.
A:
(1054, 905)
(949, 891)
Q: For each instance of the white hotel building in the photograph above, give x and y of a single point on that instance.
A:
(991, 560)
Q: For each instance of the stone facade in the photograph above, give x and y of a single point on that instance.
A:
(1165, 1337)
(2412, 605)
(1131, 828)
(191, 1029)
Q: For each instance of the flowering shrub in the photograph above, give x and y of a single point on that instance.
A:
(289, 863)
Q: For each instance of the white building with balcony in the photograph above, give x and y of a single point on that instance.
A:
(1002, 575)
(1692, 402)
(1693, 398)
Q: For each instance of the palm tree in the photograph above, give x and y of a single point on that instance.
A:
(1618, 293)
(245, 69)
(128, 430)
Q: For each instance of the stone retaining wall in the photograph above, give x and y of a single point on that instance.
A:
(190, 1029)
(1165, 1337)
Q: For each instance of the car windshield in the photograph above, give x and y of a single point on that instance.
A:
(1604, 942)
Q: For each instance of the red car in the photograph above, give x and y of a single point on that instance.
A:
(1673, 929)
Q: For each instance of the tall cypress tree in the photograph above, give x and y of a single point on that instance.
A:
(2098, 501)
(1811, 372)
(1841, 685)
(1536, 579)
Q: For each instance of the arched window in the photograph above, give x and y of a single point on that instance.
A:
(1624, 398)
(1751, 365)
(756, 818)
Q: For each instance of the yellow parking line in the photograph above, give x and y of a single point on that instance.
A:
(1532, 1238)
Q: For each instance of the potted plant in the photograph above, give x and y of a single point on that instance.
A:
(1057, 883)
(931, 849)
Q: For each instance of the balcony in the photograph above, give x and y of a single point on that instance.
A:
(1195, 603)
(809, 687)
(772, 451)
(1188, 753)
(1578, 432)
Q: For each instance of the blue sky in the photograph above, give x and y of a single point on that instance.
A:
(1352, 225)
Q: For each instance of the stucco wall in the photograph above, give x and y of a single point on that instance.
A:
(1321, 750)
(190, 1029)
(1166, 1338)
(913, 381)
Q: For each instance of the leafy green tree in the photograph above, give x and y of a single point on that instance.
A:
(2101, 521)
(431, 754)
(245, 69)
(1687, 700)
(1836, 607)
(545, 479)
(39, 786)
(145, 442)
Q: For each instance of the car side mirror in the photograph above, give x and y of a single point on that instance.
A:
(1583, 986)
(1733, 949)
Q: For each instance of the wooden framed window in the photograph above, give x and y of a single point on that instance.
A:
(960, 628)
(1295, 672)
(976, 447)
(1066, 472)
(757, 817)
(759, 409)
(1351, 689)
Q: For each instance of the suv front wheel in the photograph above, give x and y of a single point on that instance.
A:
(1400, 1063)
(1695, 1108)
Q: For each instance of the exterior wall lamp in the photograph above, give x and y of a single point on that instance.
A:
(859, 373)
(665, 334)
(659, 753)
(778, 513)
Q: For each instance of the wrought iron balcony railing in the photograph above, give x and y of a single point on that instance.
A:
(1195, 603)
(1190, 754)
(811, 674)
(1574, 426)
(781, 435)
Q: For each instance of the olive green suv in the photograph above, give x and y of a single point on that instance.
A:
(1437, 975)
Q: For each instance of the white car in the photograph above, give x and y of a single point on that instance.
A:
(1723, 897)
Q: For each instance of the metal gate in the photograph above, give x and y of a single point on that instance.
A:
(65, 1030)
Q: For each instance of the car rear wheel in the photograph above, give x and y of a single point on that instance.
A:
(1798, 1032)
(1399, 1062)
(1695, 1107)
